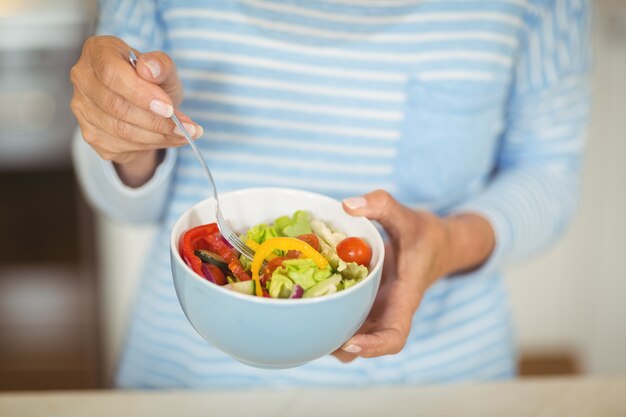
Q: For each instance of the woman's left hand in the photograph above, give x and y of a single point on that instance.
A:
(422, 248)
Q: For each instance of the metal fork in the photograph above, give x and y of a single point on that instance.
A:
(224, 227)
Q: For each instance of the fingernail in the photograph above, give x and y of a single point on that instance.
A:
(352, 348)
(355, 202)
(154, 67)
(199, 132)
(191, 129)
(161, 108)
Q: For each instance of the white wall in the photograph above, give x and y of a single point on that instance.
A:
(570, 297)
(573, 296)
(121, 252)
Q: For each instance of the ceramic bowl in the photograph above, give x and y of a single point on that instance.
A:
(265, 332)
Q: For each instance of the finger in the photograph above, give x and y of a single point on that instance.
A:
(119, 108)
(344, 356)
(84, 78)
(111, 67)
(195, 130)
(378, 205)
(385, 341)
(109, 147)
(158, 68)
(386, 329)
(122, 130)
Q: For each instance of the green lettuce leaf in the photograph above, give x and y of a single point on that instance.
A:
(261, 232)
(326, 287)
(305, 273)
(282, 222)
(331, 256)
(280, 286)
(354, 271)
(330, 236)
(329, 239)
(300, 271)
(245, 262)
(293, 226)
(347, 283)
(321, 274)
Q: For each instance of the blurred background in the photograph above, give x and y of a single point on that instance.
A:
(67, 275)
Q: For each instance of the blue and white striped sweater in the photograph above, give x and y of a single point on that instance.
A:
(451, 105)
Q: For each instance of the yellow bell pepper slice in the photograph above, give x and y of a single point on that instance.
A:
(252, 244)
(266, 248)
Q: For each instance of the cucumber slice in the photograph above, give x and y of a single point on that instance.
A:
(211, 258)
(243, 287)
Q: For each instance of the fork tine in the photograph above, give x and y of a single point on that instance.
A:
(246, 250)
(234, 239)
(240, 245)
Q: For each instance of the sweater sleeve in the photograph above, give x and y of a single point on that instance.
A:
(138, 24)
(534, 190)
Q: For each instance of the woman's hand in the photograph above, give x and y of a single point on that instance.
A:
(422, 248)
(124, 113)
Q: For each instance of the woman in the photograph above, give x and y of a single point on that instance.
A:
(470, 115)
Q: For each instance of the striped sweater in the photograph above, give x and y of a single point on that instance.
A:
(451, 105)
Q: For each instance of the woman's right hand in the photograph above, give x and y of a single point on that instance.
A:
(124, 113)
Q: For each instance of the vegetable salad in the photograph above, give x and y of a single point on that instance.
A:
(295, 257)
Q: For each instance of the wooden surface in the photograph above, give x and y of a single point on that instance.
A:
(573, 397)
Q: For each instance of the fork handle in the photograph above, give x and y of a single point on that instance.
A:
(132, 58)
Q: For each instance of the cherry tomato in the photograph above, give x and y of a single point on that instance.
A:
(355, 249)
(311, 239)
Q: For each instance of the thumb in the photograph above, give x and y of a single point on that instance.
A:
(157, 67)
(378, 205)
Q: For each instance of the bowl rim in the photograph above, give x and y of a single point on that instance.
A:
(276, 301)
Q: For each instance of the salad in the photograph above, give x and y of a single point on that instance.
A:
(295, 257)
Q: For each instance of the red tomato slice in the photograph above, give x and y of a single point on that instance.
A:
(216, 273)
(355, 249)
(271, 266)
(311, 239)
